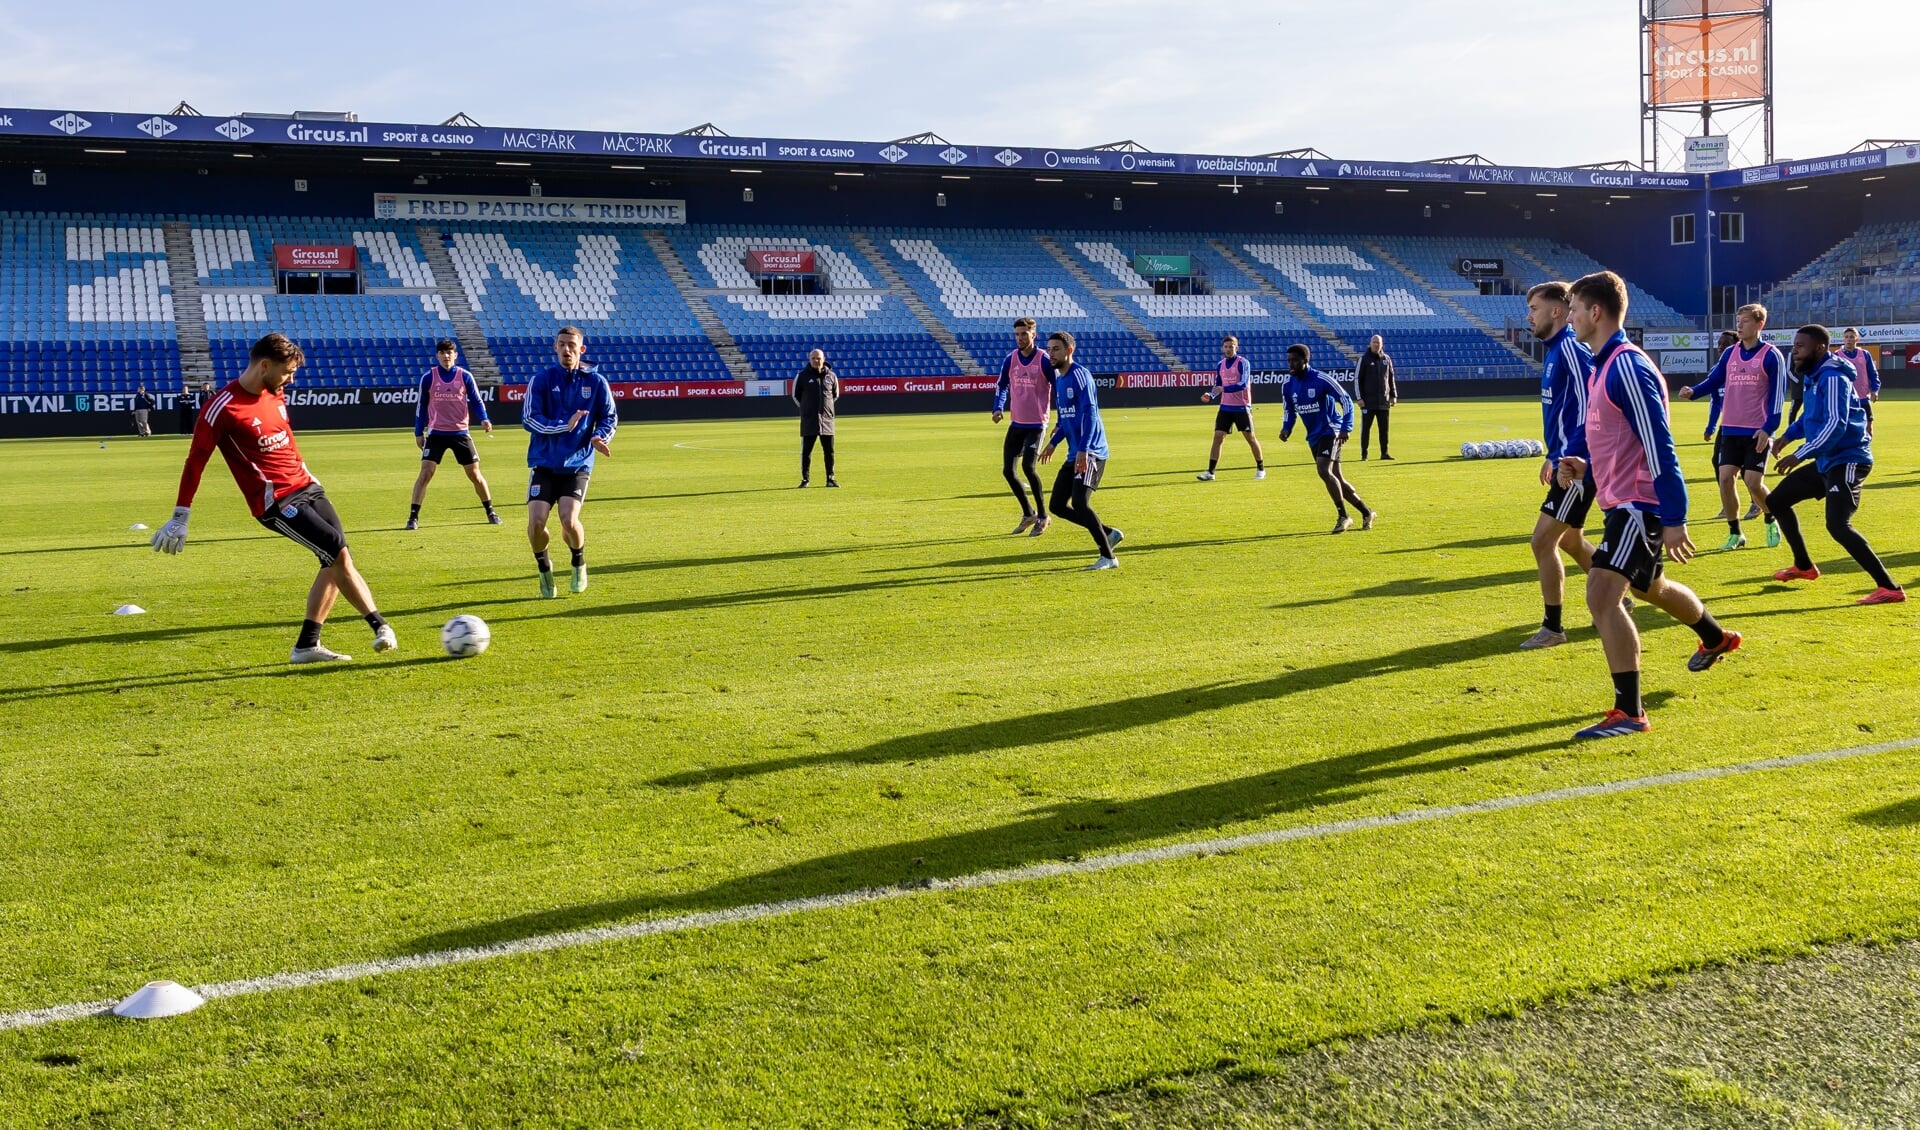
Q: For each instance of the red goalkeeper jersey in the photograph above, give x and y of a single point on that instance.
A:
(252, 431)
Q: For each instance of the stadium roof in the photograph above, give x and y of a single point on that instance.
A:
(182, 132)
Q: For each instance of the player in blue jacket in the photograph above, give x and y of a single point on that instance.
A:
(1076, 406)
(1326, 411)
(1561, 525)
(570, 411)
(1834, 436)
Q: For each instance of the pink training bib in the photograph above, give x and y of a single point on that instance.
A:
(1622, 466)
(1236, 370)
(1745, 405)
(1029, 394)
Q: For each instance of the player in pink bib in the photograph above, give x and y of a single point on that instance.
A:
(1751, 380)
(449, 401)
(1627, 444)
(1025, 392)
(1866, 374)
(1233, 388)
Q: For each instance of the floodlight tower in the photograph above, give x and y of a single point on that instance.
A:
(1706, 84)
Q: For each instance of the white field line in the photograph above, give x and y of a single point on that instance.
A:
(542, 943)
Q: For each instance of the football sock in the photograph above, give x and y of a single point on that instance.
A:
(1708, 629)
(1259, 464)
(488, 503)
(309, 634)
(541, 559)
(579, 557)
(1211, 464)
(1733, 525)
(1626, 693)
(1551, 622)
(374, 621)
(413, 512)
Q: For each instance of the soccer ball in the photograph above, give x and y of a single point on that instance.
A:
(1468, 451)
(1489, 450)
(465, 636)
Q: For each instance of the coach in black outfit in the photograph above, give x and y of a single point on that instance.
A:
(815, 390)
(1377, 393)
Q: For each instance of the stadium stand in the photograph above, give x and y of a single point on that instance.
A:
(525, 280)
(1871, 276)
(864, 330)
(90, 303)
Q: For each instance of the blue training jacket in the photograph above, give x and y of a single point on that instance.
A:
(552, 399)
(1319, 403)
(1563, 390)
(1834, 424)
(1076, 408)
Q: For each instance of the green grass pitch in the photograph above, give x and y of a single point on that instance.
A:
(770, 693)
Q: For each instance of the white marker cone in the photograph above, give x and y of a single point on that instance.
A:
(156, 999)
(138, 526)
(129, 610)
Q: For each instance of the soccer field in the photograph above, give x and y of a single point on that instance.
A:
(770, 694)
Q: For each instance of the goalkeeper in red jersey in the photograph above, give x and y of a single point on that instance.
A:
(247, 422)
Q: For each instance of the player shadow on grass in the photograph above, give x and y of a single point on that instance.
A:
(1424, 586)
(142, 545)
(1068, 830)
(692, 602)
(760, 558)
(1899, 814)
(279, 670)
(1094, 720)
(147, 635)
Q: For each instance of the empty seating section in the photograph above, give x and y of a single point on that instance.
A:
(1192, 324)
(1872, 276)
(1436, 259)
(90, 307)
(976, 281)
(1569, 263)
(864, 330)
(236, 252)
(524, 281)
(1358, 294)
(349, 340)
(87, 304)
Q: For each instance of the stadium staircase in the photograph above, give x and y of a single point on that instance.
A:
(1444, 299)
(189, 317)
(962, 356)
(1135, 326)
(1534, 261)
(1306, 316)
(696, 300)
(466, 327)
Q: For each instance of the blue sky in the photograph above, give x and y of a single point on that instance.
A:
(1521, 83)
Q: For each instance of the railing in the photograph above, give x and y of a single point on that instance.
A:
(1834, 301)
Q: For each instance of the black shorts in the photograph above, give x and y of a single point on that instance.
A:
(544, 484)
(1067, 477)
(1325, 448)
(460, 443)
(1023, 442)
(1738, 451)
(307, 518)
(1630, 546)
(1233, 420)
(1845, 479)
(1570, 504)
